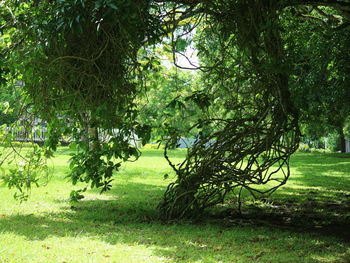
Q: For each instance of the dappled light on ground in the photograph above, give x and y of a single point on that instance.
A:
(122, 225)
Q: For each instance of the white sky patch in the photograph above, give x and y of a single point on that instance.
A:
(189, 59)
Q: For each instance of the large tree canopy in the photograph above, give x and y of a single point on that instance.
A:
(84, 63)
(320, 82)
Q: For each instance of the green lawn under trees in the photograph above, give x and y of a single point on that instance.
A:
(266, 75)
(305, 221)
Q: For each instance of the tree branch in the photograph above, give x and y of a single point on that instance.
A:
(342, 5)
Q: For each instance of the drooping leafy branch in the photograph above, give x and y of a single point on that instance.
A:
(78, 61)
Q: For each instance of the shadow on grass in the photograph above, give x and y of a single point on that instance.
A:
(316, 197)
(130, 218)
(322, 183)
(118, 223)
(328, 171)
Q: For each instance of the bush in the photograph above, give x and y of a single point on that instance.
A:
(307, 149)
(333, 142)
(20, 144)
(153, 146)
(304, 148)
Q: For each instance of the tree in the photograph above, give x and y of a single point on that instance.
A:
(91, 71)
(84, 75)
(172, 100)
(321, 66)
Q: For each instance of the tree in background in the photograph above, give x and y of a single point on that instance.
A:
(9, 103)
(9, 90)
(318, 45)
(172, 100)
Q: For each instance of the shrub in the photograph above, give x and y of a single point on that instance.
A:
(154, 146)
(304, 148)
(333, 142)
(20, 144)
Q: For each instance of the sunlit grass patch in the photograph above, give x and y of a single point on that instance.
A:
(122, 225)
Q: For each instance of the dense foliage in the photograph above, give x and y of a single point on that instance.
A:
(85, 65)
(321, 64)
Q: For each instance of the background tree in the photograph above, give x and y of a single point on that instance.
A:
(318, 45)
(172, 100)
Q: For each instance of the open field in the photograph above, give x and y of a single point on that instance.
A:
(308, 220)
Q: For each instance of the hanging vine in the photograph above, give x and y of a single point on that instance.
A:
(249, 145)
(79, 63)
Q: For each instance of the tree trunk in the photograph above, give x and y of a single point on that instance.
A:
(342, 141)
(94, 143)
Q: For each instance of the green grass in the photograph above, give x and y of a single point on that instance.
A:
(121, 225)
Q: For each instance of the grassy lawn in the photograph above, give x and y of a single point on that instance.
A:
(305, 221)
